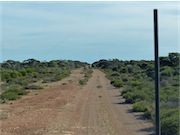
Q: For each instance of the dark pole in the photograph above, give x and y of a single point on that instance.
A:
(158, 129)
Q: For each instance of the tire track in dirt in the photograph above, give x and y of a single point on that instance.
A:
(94, 109)
(99, 110)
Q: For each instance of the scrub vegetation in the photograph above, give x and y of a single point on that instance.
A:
(136, 79)
(18, 77)
(87, 74)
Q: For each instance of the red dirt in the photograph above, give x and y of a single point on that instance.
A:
(66, 108)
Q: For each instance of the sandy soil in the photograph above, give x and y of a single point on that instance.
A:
(66, 108)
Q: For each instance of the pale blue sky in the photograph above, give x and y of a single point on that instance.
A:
(86, 31)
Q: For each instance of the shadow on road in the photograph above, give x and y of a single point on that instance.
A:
(139, 116)
(121, 103)
(150, 130)
(116, 95)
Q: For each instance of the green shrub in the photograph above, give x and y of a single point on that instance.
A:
(33, 86)
(17, 91)
(129, 97)
(117, 83)
(115, 74)
(33, 80)
(20, 81)
(127, 88)
(12, 94)
(163, 68)
(9, 96)
(82, 82)
(140, 107)
(50, 79)
(59, 77)
(166, 73)
(134, 96)
(137, 76)
(170, 122)
(5, 75)
(135, 83)
(164, 83)
(14, 74)
(23, 72)
(123, 92)
(125, 78)
(5, 86)
(88, 74)
(44, 81)
(147, 114)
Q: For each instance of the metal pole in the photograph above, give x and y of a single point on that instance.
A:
(158, 129)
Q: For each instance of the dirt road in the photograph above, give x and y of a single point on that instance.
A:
(66, 108)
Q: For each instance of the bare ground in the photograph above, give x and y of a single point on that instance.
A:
(66, 108)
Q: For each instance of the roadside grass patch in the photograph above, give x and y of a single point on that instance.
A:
(169, 122)
(139, 107)
(117, 83)
(87, 75)
(34, 87)
(82, 82)
(9, 96)
(12, 94)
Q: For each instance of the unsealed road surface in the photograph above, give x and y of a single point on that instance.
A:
(66, 108)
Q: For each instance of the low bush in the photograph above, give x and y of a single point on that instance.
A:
(147, 114)
(87, 75)
(140, 107)
(170, 125)
(115, 74)
(44, 81)
(82, 82)
(117, 83)
(129, 97)
(134, 96)
(166, 73)
(135, 83)
(49, 79)
(125, 78)
(33, 80)
(59, 77)
(12, 94)
(5, 86)
(9, 96)
(34, 87)
(20, 81)
(123, 92)
(17, 91)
